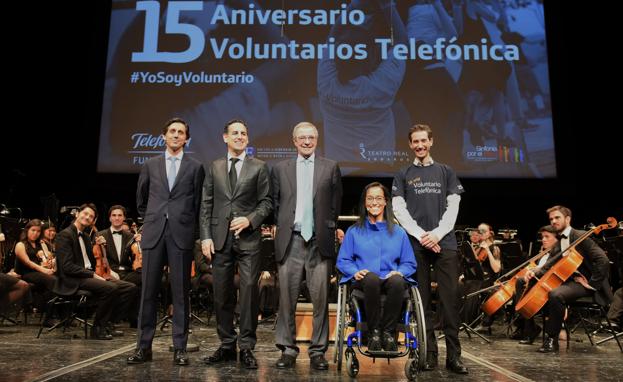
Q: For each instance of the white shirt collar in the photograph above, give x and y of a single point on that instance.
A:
(419, 163)
(300, 158)
(241, 156)
(566, 232)
(179, 156)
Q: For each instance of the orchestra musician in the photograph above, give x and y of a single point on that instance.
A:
(590, 279)
(32, 262)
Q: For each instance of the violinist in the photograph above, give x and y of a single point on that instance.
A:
(527, 329)
(590, 279)
(489, 255)
(76, 270)
(31, 262)
(48, 238)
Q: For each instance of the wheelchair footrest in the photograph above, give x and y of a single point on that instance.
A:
(383, 354)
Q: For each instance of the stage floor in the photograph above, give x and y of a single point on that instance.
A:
(68, 357)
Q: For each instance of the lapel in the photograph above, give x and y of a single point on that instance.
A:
(318, 168)
(246, 163)
(221, 167)
(162, 162)
(111, 248)
(291, 174)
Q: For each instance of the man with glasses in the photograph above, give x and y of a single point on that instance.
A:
(307, 192)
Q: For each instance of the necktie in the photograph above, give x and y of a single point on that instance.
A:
(117, 232)
(307, 225)
(233, 175)
(172, 173)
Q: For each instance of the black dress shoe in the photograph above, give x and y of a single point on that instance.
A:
(285, 362)
(529, 340)
(389, 342)
(318, 362)
(456, 366)
(221, 355)
(180, 357)
(374, 342)
(99, 333)
(431, 361)
(139, 356)
(247, 359)
(550, 345)
(517, 335)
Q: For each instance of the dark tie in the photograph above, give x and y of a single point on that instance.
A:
(117, 232)
(233, 175)
(562, 236)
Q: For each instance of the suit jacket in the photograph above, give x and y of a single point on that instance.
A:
(595, 266)
(155, 202)
(250, 198)
(327, 189)
(69, 261)
(114, 260)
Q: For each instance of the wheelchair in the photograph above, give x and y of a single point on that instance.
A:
(351, 314)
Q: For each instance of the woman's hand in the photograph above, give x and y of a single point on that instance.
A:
(361, 274)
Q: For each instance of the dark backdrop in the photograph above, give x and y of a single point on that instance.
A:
(56, 62)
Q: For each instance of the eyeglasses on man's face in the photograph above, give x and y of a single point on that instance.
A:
(303, 138)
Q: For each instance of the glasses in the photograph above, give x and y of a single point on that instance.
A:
(378, 199)
(304, 138)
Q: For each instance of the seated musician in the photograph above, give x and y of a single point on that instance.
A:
(48, 238)
(12, 290)
(591, 278)
(489, 255)
(32, 263)
(76, 266)
(376, 256)
(527, 329)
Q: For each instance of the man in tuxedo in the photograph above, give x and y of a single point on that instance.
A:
(118, 245)
(119, 254)
(307, 192)
(167, 197)
(590, 279)
(75, 264)
(235, 202)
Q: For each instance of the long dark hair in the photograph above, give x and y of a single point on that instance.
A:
(388, 213)
(23, 237)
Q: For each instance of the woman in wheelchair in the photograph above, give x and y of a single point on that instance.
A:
(377, 258)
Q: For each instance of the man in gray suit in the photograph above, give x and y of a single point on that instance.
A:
(235, 202)
(307, 192)
(168, 197)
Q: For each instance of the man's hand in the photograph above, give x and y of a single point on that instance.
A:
(361, 274)
(238, 224)
(100, 240)
(528, 276)
(207, 248)
(429, 240)
(265, 275)
(138, 237)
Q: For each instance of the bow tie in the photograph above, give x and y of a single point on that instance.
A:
(562, 236)
(117, 232)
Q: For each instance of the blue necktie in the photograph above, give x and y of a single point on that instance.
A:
(307, 225)
(172, 173)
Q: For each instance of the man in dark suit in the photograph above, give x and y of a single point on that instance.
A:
(307, 192)
(591, 278)
(118, 246)
(119, 255)
(76, 270)
(235, 202)
(167, 197)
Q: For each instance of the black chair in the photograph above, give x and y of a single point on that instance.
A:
(68, 308)
(592, 317)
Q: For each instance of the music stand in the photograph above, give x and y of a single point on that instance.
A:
(472, 271)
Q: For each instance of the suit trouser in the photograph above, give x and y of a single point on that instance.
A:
(223, 270)
(447, 272)
(179, 261)
(556, 304)
(114, 298)
(615, 313)
(303, 259)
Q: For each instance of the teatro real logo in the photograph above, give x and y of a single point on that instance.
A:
(362, 150)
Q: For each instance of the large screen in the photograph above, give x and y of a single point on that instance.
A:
(362, 71)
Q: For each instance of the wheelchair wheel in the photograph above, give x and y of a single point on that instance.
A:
(340, 327)
(352, 364)
(419, 322)
(411, 369)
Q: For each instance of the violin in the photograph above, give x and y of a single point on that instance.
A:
(137, 253)
(102, 268)
(570, 260)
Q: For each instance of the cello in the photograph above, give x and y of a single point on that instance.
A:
(507, 288)
(570, 260)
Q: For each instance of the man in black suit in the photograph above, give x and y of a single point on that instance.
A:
(167, 197)
(235, 202)
(307, 192)
(76, 270)
(118, 246)
(119, 255)
(591, 278)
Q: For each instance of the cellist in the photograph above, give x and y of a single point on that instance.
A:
(527, 329)
(591, 278)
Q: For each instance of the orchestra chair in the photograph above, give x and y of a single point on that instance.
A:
(593, 319)
(68, 308)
